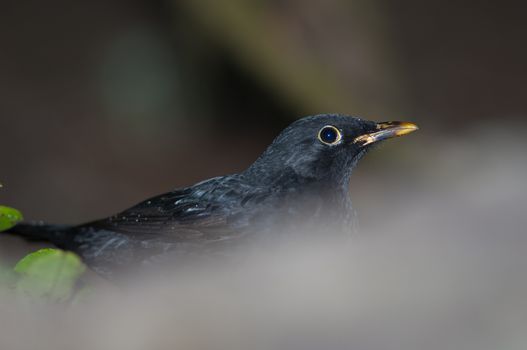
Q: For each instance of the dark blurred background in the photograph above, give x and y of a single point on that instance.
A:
(105, 103)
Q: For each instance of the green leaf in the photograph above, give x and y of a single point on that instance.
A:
(49, 273)
(9, 217)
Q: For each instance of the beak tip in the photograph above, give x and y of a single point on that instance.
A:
(406, 128)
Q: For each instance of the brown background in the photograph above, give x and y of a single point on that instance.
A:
(104, 103)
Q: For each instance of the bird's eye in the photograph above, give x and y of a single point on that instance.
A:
(329, 135)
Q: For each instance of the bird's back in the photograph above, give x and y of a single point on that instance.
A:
(215, 215)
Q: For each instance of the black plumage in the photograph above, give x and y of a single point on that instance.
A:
(299, 184)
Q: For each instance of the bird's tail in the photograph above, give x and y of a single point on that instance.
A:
(55, 234)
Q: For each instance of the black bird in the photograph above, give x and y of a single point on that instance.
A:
(300, 182)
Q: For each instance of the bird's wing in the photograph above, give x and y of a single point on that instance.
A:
(206, 211)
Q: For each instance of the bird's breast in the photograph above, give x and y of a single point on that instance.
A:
(301, 213)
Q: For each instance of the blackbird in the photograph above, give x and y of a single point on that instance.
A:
(299, 184)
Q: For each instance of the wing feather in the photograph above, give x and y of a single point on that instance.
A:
(206, 211)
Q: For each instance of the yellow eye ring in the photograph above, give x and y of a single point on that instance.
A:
(329, 135)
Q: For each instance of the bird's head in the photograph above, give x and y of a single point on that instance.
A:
(323, 148)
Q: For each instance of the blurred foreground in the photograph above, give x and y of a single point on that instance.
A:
(438, 264)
